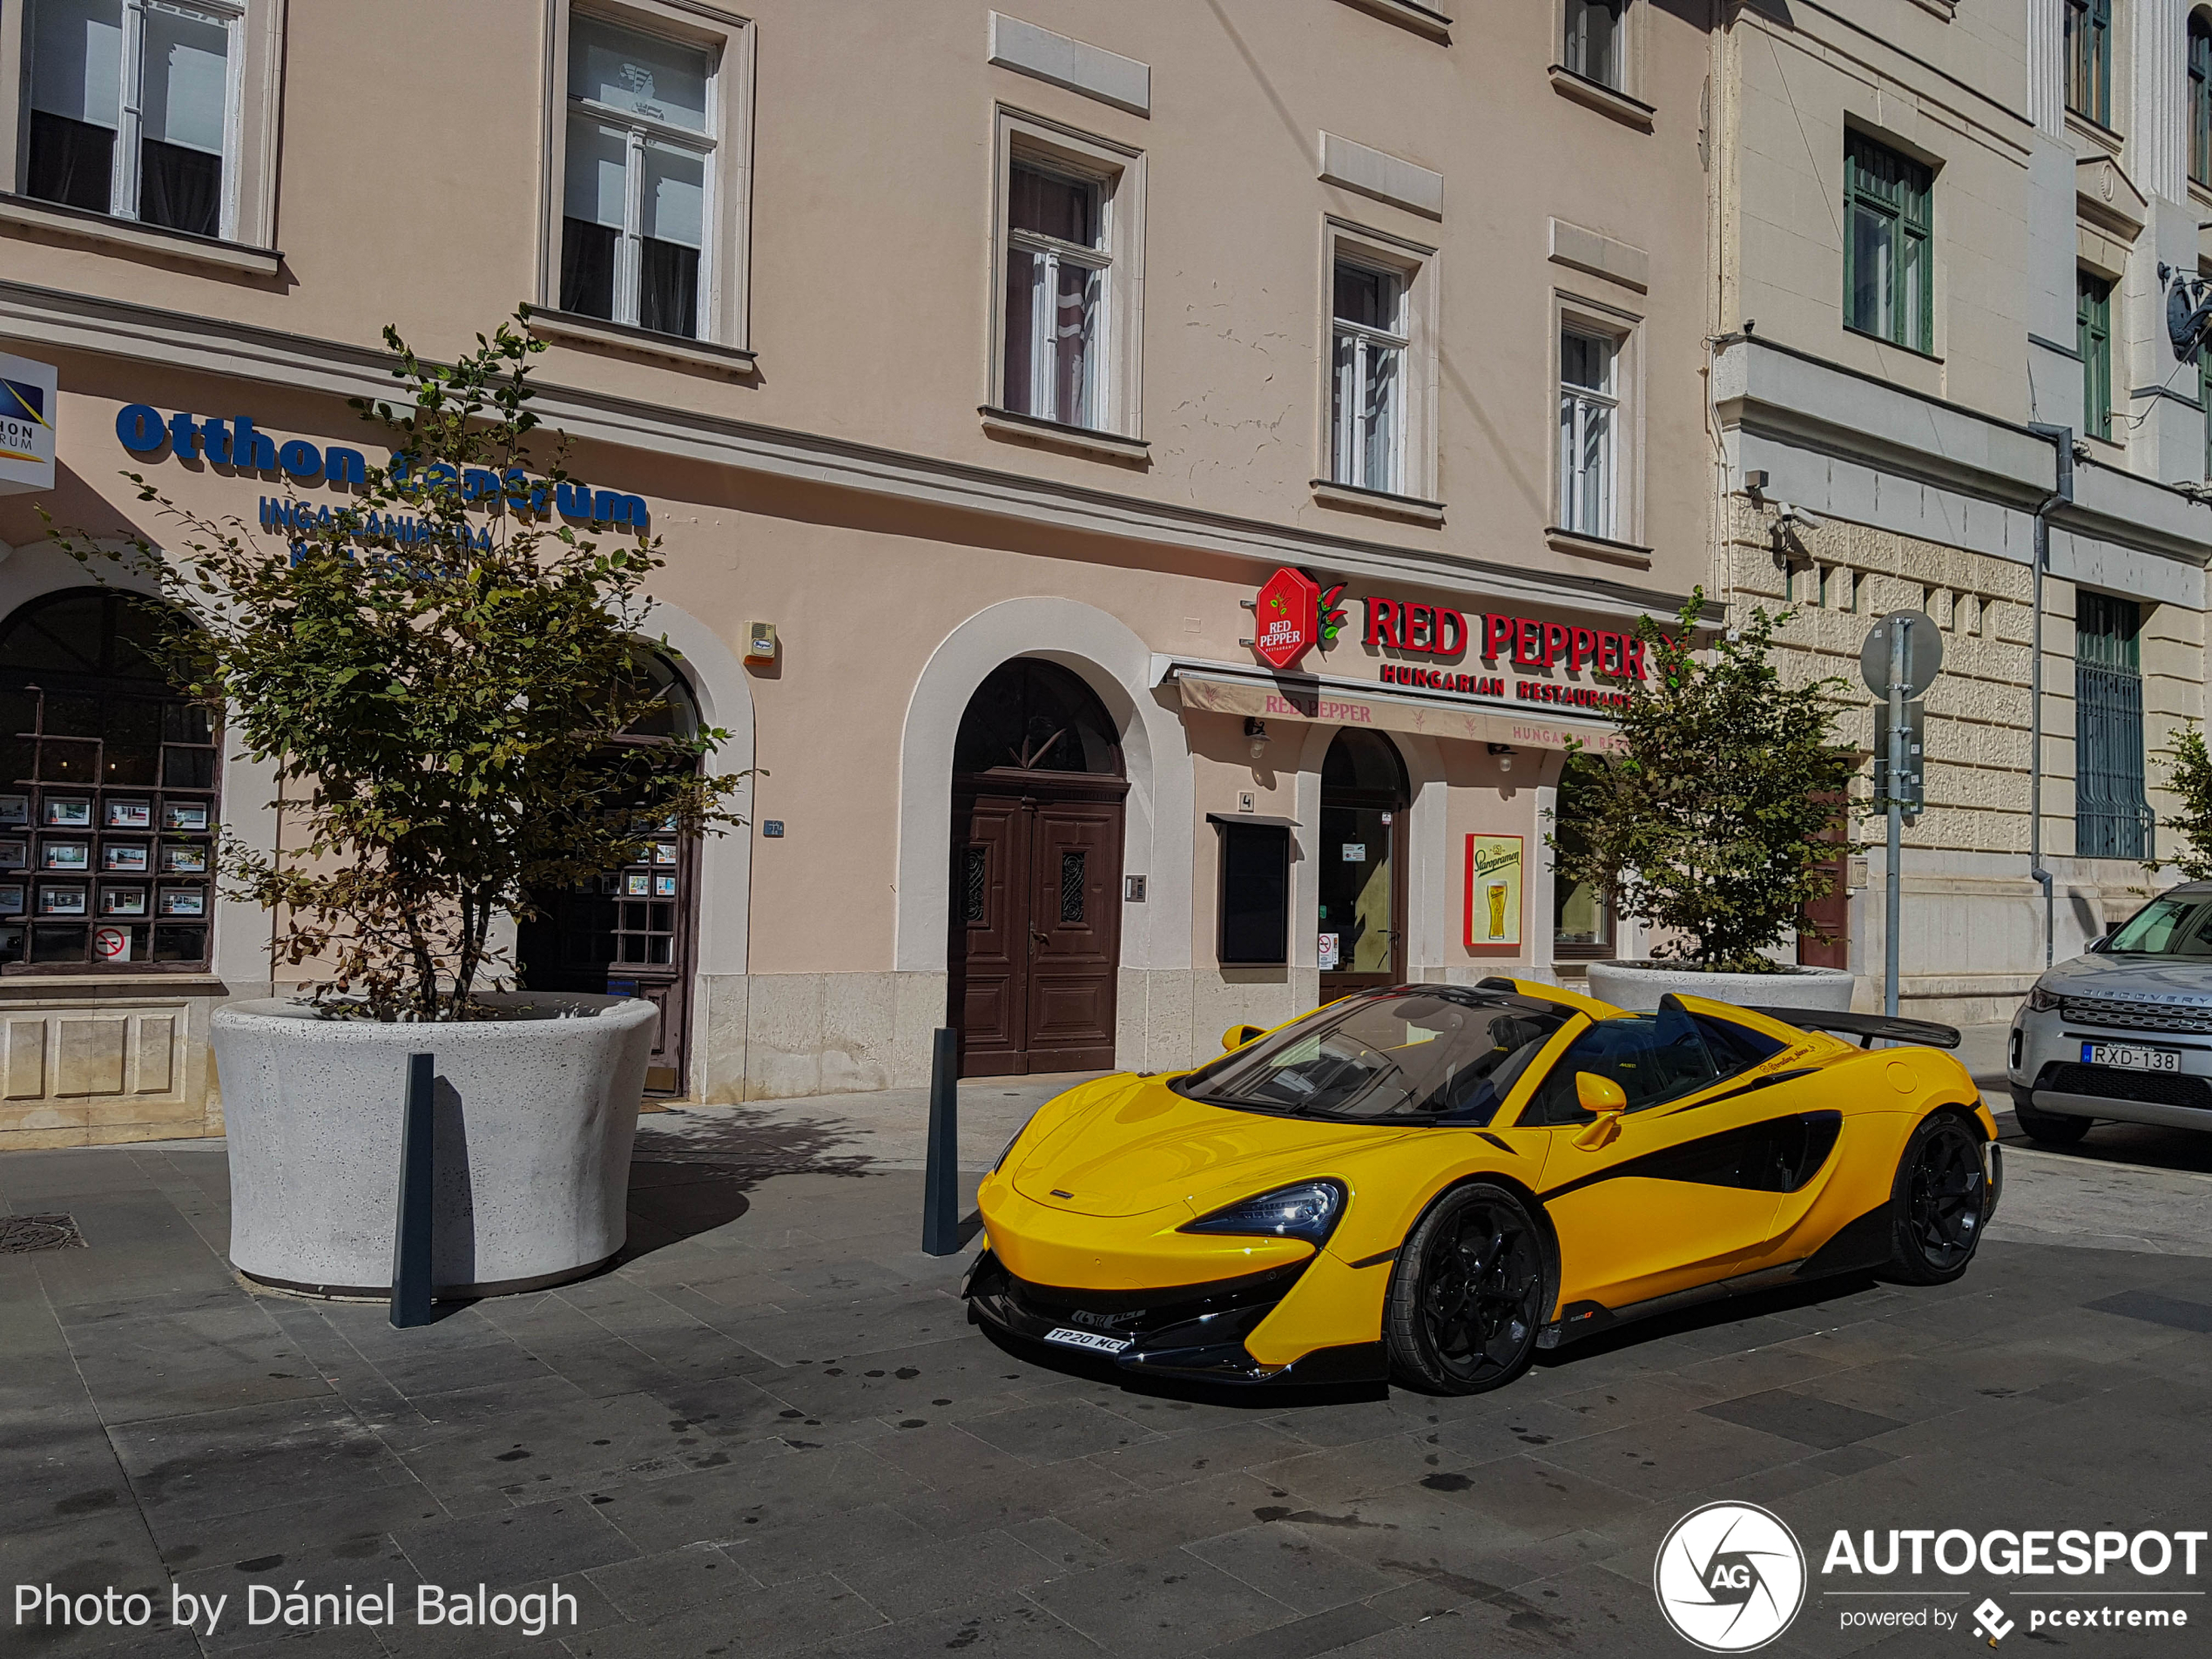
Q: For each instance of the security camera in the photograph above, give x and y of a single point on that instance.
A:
(1788, 513)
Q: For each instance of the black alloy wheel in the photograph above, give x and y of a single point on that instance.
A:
(2056, 1129)
(1940, 1201)
(1467, 1294)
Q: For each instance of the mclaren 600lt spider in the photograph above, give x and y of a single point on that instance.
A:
(1430, 1182)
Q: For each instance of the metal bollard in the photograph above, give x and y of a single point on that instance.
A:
(941, 1184)
(414, 1235)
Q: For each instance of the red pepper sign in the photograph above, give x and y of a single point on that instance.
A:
(1436, 630)
(1286, 618)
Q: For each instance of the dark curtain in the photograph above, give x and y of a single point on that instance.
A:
(71, 162)
(587, 268)
(180, 188)
(668, 299)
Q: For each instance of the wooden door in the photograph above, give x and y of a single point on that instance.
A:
(1036, 933)
(1074, 933)
(1831, 916)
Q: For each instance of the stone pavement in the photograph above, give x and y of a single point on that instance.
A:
(771, 1432)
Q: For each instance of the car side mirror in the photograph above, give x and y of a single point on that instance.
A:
(2098, 946)
(1237, 1036)
(1596, 1094)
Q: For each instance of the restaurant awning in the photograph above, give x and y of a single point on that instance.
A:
(1261, 700)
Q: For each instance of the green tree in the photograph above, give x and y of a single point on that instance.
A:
(2189, 774)
(1709, 822)
(437, 681)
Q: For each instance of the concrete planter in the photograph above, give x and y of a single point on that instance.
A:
(1639, 986)
(535, 1117)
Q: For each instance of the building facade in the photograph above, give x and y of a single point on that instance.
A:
(1945, 240)
(1150, 489)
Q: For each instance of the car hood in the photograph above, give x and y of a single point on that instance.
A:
(1144, 1147)
(2145, 979)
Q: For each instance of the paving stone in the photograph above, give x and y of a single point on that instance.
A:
(758, 1624)
(1802, 1417)
(1002, 1626)
(1170, 1602)
(565, 1535)
(217, 1463)
(1056, 1431)
(1295, 1567)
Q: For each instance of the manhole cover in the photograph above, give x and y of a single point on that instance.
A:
(20, 1235)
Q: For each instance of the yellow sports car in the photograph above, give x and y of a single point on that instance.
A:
(1431, 1182)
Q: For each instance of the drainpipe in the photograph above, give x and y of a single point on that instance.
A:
(2061, 439)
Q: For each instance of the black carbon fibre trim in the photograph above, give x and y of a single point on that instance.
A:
(1859, 1245)
(1495, 1141)
(1378, 1258)
(1777, 1155)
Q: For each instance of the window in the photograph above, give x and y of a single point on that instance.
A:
(1590, 419)
(638, 188)
(132, 107)
(2093, 339)
(1058, 267)
(2201, 99)
(1367, 418)
(1889, 275)
(108, 802)
(2112, 819)
(2088, 59)
(1654, 1058)
(1582, 911)
(1069, 278)
(1595, 42)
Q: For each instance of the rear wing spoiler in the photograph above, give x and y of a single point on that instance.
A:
(1866, 1027)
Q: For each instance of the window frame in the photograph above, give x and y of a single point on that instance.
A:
(1044, 390)
(1414, 267)
(722, 309)
(1117, 171)
(1352, 429)
(1909, 207)
(2110, 759)
(252, 121)
(1624, 77)
(2197, 52)
(1577, 314)
(2093, 340)
(1587, 402)
(2086, 53)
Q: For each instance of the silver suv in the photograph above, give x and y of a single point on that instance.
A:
(2123, 1032)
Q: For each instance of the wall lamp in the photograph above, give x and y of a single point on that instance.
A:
(1256, 729)
(1504, 752)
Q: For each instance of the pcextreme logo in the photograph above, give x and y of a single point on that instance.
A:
(1730, 1577)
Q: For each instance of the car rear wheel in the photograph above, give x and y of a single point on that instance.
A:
(2056, 1128)
(1940, 1200)
(1467, 1294)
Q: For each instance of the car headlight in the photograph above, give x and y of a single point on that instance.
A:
(2041, 1002)
(1309, 1210)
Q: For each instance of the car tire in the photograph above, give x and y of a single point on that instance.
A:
(2055, 1128)
(1467, 1294)
(1938, 1201)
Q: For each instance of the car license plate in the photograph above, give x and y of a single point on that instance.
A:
(1091, 1340)
(2129, 1058)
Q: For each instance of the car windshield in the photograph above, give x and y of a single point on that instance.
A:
(1428, 1056)
(2174, 925)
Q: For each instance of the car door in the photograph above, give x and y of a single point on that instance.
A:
(1676, 1194)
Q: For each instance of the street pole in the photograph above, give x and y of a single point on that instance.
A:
(1898, 739)
(2061, 442)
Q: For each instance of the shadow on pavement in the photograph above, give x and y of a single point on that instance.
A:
(691, 1173)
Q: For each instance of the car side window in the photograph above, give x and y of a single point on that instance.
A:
(1654, 1057)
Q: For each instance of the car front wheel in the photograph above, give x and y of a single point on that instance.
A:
(1940, 1200)
(2058, 1129)
(1467, 1294)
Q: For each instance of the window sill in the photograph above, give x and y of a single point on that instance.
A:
(128, 236)
(79, 987)
(573, 330)
(1083, 440)
(1597, 547)
(1353, 499)
(1604, 99)
(2097, 131)
(1420, 19)
(1894, 345)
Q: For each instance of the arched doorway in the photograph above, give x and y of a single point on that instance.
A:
(631, 932)
(1364, 797)
(108, 803)
(1036, 877)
